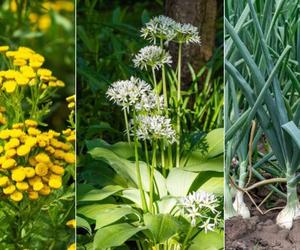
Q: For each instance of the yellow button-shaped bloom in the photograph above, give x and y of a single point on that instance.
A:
(34, 180)
(9, 190)
(4, 181)
(45, 190)
(69, 158)
(56, 169)
(22, 80)
(31, 123)
(23, 150)
(55, 182)
(11, 74)
(12, 143)
(18, 125)
(41, 169)
(72, 247)
(38, 186)
(33, 195)
(44, 72)
(71, 223)
(16, 133)
(22, 186)
(9, 163)
(29, 172)
(10, 153)
(30, 141)
(4, 48)
(1, 149)
(16, 196)
(18, 174)
(27, 71)
(9, 86)
(42, 157)
(33, 131)
(4, 134)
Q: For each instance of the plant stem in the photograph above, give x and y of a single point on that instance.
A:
(162, 153)
(137, 164)
(187, 238)
(178, 105)
(127, 126)
(153, 166)
(292, 196)
(165, 93)
(155, 88)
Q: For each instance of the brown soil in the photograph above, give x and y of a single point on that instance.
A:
(261, 233)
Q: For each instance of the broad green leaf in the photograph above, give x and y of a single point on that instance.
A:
(198, 164)
(122, 149)
(209, 241)
(127, 169)
(213, 185)
(114, 235)
(99, 194)
(180, 181)
(166, 205)
(162, 226)
(82, 223)
(112, 215)
(294, 132)
(92, 211)
(133, 195)
(215, 140)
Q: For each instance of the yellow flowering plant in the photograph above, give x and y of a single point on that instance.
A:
(36, 162)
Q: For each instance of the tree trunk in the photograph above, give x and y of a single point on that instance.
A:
(202, 14)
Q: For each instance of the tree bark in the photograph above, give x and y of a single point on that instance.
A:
(202, 14)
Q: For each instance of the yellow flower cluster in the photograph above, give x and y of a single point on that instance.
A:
(27, 71)
(3, 120)
(71, 223)
(72, 247)
(43, 20)
(31, 161)
(71, 102)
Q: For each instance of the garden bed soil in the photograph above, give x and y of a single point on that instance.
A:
(261, 233)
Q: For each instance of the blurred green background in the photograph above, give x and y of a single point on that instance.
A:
(48, 28)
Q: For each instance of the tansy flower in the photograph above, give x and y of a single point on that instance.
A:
(71, 223)
(4, 48)
(9, 190)
(4, 181)
(22, 186)
(9, 86)
(18, 174)
(16, 196)
(72, 247)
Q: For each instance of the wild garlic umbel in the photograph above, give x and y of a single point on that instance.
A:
(36, 162)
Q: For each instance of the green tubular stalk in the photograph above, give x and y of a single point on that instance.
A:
(239, 204)
(228, 205)
(137, 164)
(127, 126)
(178, 127)
(153, 167)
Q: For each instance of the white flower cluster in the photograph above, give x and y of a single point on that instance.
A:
(135, 93)
(167, 29)
(155, 127)
(159, 27)
(152, 56)
(200, 207)
(187, 33)
(150, 101)
(127, 93)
